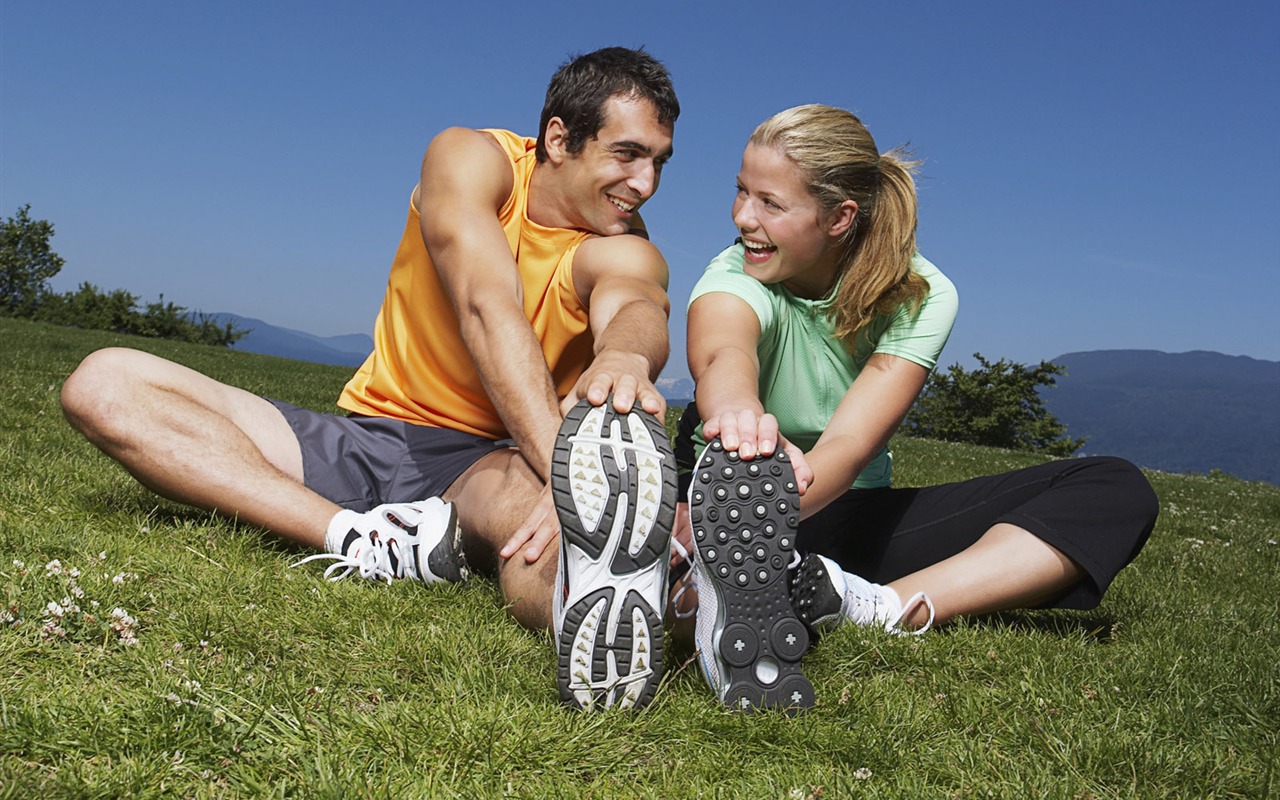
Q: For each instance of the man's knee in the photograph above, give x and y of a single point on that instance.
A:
(527, 589)
(92, 390)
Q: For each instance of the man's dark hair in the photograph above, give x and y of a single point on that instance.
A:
(580, 88)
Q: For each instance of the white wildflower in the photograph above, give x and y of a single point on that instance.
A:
(124, 626)
(862, 773)
(54, 567)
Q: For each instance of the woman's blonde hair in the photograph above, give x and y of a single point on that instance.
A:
(840, 161)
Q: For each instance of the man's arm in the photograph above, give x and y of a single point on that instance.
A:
(623, 280)
(466, 179)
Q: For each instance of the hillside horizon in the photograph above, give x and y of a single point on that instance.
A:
(1180, 412)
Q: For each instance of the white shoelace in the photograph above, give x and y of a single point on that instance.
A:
(686, 581)
(866, 603)
(373, 563)
(907, 608)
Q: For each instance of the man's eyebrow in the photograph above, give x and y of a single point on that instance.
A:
(627, 144)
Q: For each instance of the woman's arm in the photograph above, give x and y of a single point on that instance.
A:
(870, 412)
(723, 335)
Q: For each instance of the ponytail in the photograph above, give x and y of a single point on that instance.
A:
(878, 279)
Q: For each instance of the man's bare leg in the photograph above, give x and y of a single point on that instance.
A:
(194, 440)
(493, 498)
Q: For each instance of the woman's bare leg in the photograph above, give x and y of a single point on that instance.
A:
(1009, 567)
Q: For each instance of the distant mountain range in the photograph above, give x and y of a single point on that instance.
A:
(675, 389)
(349, 350)
(1177, 412)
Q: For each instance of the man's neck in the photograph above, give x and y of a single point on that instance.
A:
(546, 202)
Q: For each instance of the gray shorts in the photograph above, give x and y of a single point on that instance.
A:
(360, 462)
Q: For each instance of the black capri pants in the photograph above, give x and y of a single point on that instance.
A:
(1098, 511)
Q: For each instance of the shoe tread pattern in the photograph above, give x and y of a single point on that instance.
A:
(813, 596)
(744, 516)
(600, 457)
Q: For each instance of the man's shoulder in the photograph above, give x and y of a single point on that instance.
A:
(617, 250)
(609, 259)
(509, 141)
(460, 141)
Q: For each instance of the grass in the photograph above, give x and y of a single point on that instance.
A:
(250, 679)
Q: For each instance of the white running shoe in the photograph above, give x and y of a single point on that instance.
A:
(826, 597)
(419, 541)
(614, 483)
(744, 516)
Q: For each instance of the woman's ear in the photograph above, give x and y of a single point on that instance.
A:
(842, 218)
(554, 140)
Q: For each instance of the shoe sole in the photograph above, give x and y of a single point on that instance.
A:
(614, 484)
(744, 516)
(814, 598)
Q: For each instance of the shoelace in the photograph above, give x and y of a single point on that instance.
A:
(688, 581)
(684, 587)
(373, 563)
(907, 608)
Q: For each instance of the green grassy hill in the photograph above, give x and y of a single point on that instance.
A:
(150, 650)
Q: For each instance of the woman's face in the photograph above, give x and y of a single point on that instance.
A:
(788, 238)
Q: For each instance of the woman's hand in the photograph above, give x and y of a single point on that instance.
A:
(751, 433)
(747, 431)
(804, 473)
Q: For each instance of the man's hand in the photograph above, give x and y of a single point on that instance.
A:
(626, 376)
(538, 530)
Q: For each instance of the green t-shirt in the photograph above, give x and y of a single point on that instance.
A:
(805, 370)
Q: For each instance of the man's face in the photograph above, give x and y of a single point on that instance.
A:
(618, 170)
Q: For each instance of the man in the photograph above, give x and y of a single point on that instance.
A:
(515, 290)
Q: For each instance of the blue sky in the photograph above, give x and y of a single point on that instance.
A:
(1097, 175)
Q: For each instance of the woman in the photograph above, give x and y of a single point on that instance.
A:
(809, 339)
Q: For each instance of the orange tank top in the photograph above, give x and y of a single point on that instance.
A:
(420, 371)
